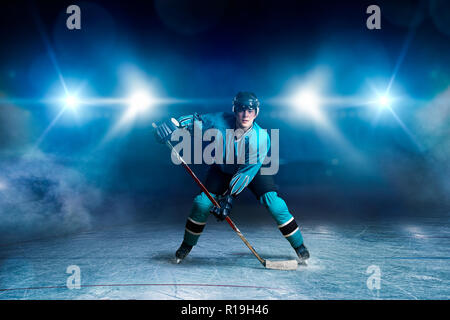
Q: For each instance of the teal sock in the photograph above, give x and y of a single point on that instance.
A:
(286, 222)
(197, 218)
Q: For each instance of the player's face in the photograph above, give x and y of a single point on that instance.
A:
(245, 118)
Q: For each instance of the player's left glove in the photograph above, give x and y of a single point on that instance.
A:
(226, 204)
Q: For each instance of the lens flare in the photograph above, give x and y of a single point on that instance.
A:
(307, 102)
(140, 101)
(307, 98)
(72, 102)
(384, 101)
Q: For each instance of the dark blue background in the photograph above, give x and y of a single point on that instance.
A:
(209, 50)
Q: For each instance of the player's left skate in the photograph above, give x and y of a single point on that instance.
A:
(182, 252)
(302, 253)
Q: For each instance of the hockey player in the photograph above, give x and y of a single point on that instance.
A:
(226, 181)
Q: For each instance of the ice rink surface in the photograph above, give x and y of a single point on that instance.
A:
(136, 261)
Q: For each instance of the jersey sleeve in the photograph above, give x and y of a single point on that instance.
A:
(253, 162)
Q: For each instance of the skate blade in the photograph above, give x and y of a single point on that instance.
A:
(303, 263)
(178, 261)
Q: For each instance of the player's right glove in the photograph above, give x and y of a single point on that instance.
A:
(226, 204)
(164, 131)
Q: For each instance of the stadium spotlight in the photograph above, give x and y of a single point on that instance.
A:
(307, 102)
(384, 101)
(72, 102)
(140, 101)
(307, 99)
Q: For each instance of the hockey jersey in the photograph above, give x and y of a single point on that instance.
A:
(242, 157)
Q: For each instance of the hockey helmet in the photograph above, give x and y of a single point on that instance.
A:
(245, 101)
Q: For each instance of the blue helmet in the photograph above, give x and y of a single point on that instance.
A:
(245, 101)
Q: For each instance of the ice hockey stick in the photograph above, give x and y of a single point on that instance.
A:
(278, 265)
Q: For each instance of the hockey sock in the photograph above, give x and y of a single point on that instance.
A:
(286, 222)
(197, 218)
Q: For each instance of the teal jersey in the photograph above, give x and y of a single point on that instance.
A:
(241, 157)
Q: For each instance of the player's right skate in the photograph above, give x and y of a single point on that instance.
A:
(182, 252)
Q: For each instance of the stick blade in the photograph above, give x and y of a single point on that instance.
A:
(282, 265)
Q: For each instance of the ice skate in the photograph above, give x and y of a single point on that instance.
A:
(302, 253)
(182, 252)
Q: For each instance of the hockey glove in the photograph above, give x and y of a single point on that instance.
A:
(164, 131)
(226, 204)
